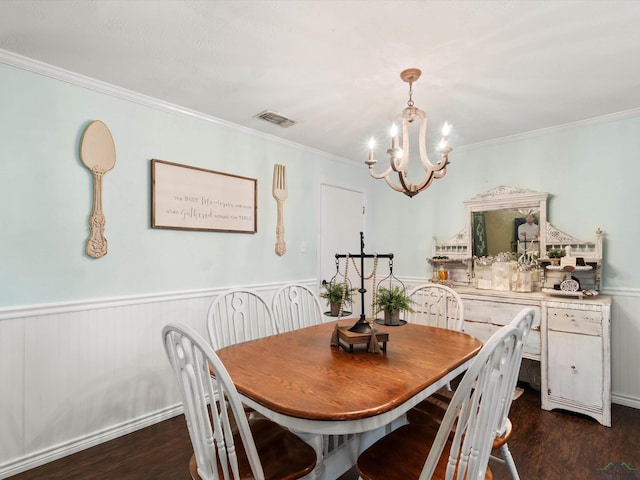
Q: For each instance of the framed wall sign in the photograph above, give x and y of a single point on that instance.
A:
(191, 198)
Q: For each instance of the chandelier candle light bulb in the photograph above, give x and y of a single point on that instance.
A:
(372, 144)
(399, 156)
(444, 141)
(394, 136)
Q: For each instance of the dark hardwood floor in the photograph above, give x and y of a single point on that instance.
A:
(545, 445)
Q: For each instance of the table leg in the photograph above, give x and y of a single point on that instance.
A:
(316, 440)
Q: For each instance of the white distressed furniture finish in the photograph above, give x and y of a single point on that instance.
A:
(436, 305)
(239, 315)
(578, 358)
(571, 341)
(296, 306)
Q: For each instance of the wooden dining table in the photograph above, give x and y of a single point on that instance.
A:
(299, 380)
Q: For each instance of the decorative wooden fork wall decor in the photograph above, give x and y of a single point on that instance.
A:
(280, 194)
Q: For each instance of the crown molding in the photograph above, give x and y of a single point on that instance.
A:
(610, 117)
(45, 69)
(67, 76)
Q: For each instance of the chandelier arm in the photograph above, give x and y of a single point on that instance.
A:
(386, 175)
(422, 142)
(394, 186)
(433, 174)
(395, 163)
(408, 189)
(440, 174)
(441, 166)
(404, 162)
(378, 176)
(425, 182)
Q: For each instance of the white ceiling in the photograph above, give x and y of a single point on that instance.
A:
(491, 68)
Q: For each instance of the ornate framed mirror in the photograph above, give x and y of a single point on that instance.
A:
(507, 219)
(497, 223)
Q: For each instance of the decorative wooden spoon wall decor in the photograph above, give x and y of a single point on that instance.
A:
(98, 153)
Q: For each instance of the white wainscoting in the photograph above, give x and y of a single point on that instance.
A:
(625, 347)
(78, 374)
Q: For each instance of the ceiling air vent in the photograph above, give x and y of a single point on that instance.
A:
(275, 118)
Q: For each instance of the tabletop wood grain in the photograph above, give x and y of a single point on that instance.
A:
(300, 374)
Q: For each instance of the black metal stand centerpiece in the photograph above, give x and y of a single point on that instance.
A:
(362, 326)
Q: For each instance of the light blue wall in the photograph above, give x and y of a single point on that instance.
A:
(591, 170)
(46, 197)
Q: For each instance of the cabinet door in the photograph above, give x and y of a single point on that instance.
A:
(575, 367)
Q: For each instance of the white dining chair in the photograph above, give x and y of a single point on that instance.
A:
(431, 411)
(523, 322)
(226, 443)
(296, 306)
(436, 305)
(239, 315)
(461, 446)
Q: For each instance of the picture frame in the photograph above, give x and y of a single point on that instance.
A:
(184, 197)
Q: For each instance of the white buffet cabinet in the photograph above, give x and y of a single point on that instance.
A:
(571, 334)
(570, 339)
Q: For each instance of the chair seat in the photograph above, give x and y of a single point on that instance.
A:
(402, 454)
(431, 410)
(498, 442)
(283, 455)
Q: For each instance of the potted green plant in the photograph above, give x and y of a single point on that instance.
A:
(391, 301)
(333, 294)
(555, 254)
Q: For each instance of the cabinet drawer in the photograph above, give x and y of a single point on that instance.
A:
(483, 331)
(498, 313)
(575, 321)
(483, 318)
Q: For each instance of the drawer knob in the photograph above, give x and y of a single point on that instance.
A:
(574, 369)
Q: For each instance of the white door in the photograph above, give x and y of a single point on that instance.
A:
(341, 221)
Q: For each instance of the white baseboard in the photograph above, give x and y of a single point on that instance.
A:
(59, 451)
(625, 400)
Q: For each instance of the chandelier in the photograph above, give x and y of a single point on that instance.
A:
(399, 157)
